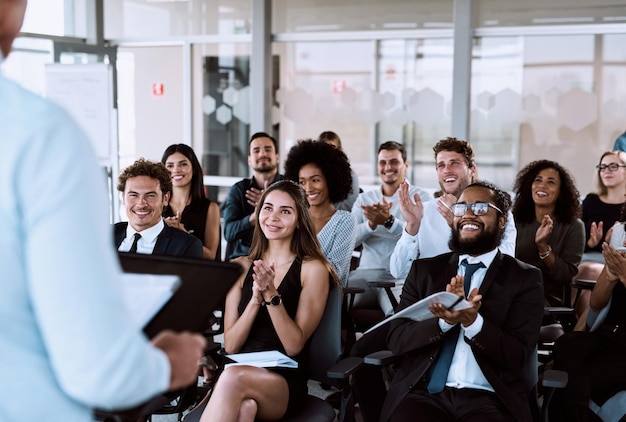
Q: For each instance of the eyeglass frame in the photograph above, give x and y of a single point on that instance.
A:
(610, 167)
(471, 208)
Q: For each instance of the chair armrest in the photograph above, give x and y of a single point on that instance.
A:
(383, 284)
(553, 378)
(344, 368)
(380, 358)
(558, 310)
(352, 290)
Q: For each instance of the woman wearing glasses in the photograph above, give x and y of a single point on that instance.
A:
(601, 210)
(550, 235)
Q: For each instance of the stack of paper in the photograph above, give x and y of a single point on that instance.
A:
(267, 359)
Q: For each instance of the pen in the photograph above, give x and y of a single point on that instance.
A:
(456, 302)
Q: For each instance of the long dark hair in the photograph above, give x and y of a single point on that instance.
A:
(304, 241)
(197, 183)
(567, 207)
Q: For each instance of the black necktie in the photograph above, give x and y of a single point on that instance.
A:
(133, 248)
(440, 369)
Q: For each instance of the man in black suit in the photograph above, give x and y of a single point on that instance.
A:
(489, 345)
(146, 187)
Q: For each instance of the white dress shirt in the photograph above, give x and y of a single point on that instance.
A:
(464, 370)
(146, 242)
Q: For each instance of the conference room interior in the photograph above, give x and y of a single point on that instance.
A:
(520, 80)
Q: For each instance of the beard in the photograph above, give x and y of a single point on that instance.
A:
(488, 240)
(265, 167)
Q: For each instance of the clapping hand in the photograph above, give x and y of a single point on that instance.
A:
(595, 234)
(377, 214)
(413, 212)
(464, 316)
(263, 279)
(444, 206)
(615, 263)
(544, 230)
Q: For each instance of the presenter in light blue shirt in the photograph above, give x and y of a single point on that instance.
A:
(67, 344)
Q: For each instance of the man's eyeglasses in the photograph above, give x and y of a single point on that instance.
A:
(611, 167)
(477, 208)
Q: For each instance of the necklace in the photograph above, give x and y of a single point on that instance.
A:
(290, 260)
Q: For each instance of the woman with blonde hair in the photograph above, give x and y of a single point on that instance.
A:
(600, 212)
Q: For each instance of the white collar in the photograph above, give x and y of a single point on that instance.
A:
(149, 234)
(486, 258)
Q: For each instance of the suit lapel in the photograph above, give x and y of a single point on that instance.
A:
(451, 269)
(120, 233)
(490, 276)
(163, 241)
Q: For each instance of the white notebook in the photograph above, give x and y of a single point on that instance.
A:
(267, 359)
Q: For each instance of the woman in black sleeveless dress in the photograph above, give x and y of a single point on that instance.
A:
(276, 305)
(189, 209)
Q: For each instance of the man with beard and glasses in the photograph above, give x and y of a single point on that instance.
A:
(423, 234)
(239, 206)
(468, 364)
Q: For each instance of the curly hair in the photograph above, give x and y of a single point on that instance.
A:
(332, 162)
(197, 178)
(304, 242)
(143, 167)
(567, 207)
(621, 156)
(456, 145)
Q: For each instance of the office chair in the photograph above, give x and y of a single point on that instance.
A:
(608, 407)
(325, 352)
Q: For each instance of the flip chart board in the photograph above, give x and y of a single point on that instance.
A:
(86, 92)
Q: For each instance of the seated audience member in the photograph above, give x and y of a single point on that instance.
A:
(468, 364)
(601, 210)
(189, 209)
(345, 204)
(324, 174)
(379, 221)
(68, 343)
(620, 143)
(594, 359)
(146, 188)
(239, 206)
(427, 224)
(276, 305)
(550, 235)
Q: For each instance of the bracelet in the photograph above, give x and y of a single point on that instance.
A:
(546, 253)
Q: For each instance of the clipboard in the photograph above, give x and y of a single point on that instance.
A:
(203, 288)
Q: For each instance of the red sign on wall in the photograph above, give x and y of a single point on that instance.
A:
(158, 89)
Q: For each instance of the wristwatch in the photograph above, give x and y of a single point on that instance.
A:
(389, 222)
(274, 301)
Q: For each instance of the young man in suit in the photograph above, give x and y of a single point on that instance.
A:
(489, 345)
(146, 188)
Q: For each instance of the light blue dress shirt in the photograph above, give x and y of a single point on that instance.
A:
(66, 344)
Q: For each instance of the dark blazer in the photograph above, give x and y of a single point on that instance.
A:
(170, 242)
(512, 309)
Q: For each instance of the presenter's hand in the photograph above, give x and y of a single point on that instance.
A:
(184, 351)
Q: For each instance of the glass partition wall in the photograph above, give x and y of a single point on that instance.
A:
(546, 80)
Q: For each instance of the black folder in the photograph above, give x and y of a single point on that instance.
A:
(203, 288)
